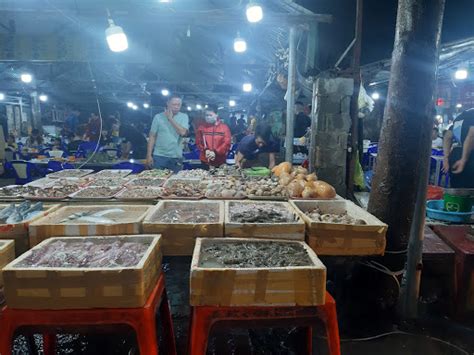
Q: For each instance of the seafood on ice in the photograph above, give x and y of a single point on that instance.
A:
(260, 213)
(338, 218)
(86, 254)
(16, 213)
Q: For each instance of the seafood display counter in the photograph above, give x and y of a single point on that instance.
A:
(181, 222)
(255, 272)
(85, 272)
(87, 220)
(263, 219)
(15, 219)
(341, 227)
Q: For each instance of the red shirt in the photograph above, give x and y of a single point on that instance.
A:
(214, 137)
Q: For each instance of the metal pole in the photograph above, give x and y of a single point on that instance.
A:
(290, 97)
(355, 98)
(35, 110)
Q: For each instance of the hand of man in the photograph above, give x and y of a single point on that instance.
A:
(149, 162)
(168, 114)
(458, 167)
(445, 165)
(212, 155)
(207, 153)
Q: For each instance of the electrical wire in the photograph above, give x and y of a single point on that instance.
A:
(378, 336)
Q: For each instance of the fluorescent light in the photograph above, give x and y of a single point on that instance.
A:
(135, 107)
(116, 38)
(43, 97)
(232, 103)
(130, 104)
(26, 78)
(240, 45)
(458, 105)
(146, 105)
(247, 87)
(2, 96)
(198, 107)
(165, 92)
(461, 74)
(189, 108)
(375, 95)
(164, 1)
(254, 12)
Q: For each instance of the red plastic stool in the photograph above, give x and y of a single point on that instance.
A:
(142, 320)
(204, 317)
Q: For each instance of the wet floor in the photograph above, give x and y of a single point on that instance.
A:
(387, 341)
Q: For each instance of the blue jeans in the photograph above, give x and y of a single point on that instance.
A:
(173, 164)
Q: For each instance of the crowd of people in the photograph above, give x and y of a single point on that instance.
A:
(258, 141)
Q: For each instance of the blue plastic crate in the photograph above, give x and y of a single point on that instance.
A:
(435, 210)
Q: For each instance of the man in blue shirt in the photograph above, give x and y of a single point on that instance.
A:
(71, 122)
(165, 143)
(252, 145)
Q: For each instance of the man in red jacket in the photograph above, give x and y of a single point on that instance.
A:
(213, 139)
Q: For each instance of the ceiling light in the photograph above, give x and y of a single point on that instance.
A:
(198, 107)
(458, 105)
(254, 11)
(116, 38)
(135, 107)
(146, 105)
(247, 87)
(231, 103)
(164, 1)
(2, 96)
(240, 45)
(375, 95)
(461, 74)
(189, 108)
(130, 104)
(165, 92)
(26, 78)
(206, 106)
(43, 98)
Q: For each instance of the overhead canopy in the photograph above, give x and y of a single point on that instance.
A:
(185, 46)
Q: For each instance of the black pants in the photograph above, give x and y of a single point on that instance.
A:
(466, 178)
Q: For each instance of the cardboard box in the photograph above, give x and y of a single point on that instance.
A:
(342, 239)
(19, 231)
(179, 238)
(277, 286)
(78, 288)
(7, 254)
(293, 230)
(50, 226)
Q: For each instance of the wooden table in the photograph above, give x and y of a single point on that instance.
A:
(461, 240)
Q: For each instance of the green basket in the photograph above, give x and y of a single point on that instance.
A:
(457, 203)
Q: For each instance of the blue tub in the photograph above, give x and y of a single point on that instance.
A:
(435, 210)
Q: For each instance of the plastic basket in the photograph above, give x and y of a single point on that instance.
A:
(435, 210)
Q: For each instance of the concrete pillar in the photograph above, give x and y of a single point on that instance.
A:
(330, 126)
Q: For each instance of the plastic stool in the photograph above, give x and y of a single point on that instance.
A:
(204, 317)
(142, 320)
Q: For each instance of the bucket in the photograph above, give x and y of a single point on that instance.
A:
(434, 192)
(458, 200)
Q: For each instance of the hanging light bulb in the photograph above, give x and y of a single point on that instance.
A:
(146, 105)
(247, 87)
(254, 11)
(198, 107)
(165, 92)
(2, 96)
(232, 103)
(135, 107)
(130, 104)
(189, 108)
(43, 98)
(240, 45)
(26, 78)
(461, 74)
(375, 95)
(116, 38)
